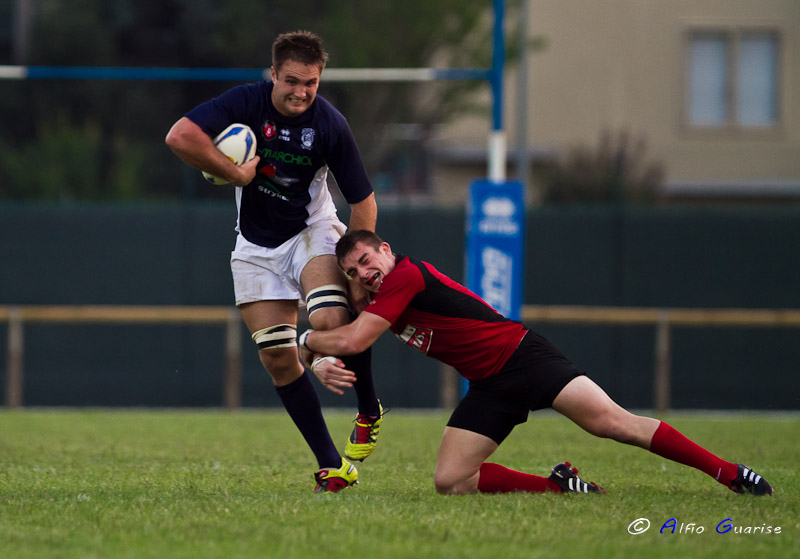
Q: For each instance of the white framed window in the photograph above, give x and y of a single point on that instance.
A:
(733, 79)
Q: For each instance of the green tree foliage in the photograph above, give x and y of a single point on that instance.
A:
(88, 140)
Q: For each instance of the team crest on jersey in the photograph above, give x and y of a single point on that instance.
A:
(416, 337)
(307, 137)
(269, 130)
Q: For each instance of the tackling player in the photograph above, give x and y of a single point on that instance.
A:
(287, 231)
(511, 370)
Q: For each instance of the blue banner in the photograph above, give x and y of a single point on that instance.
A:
(495, 244)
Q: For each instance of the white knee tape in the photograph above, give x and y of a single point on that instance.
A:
(274, 337)
(326, 296)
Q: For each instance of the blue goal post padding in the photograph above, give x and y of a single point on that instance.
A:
(495, 239)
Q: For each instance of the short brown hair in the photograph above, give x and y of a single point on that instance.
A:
(350, 239)
(301, 46)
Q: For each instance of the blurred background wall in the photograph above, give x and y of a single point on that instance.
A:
(178, 254)
(657, 140)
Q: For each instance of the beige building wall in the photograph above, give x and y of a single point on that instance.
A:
(611, 65)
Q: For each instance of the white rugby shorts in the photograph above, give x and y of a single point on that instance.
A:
(267, 274)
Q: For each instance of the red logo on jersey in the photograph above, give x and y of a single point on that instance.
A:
(269, 130)
(268, 170)
(418, 338)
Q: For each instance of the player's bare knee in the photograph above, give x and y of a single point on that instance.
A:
(444, 486)
(277, 351)
(443, 489)
(442, 480)
(449, 482)
(281, 364)
(460, 488)
(274, 360)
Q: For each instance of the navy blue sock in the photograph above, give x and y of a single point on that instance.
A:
(361, 365)
(302, 402)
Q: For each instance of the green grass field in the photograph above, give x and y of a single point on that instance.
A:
(173, 484)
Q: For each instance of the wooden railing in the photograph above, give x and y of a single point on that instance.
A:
(662, 319)
(18, 316)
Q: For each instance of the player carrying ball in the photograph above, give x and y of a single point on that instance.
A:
(287, 231)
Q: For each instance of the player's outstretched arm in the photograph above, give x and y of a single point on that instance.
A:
(349, 339)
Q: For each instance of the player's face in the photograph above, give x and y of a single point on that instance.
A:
(295, 87)
(368, 266)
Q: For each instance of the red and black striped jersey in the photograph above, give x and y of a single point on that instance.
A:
(445, 320)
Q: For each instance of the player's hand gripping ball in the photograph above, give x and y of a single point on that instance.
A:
(238, 143)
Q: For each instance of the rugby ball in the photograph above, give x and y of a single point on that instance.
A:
(238, 142)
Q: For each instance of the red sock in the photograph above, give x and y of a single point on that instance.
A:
(671, 444)
(499, 479)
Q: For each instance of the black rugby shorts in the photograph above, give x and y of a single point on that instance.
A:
(530, 380)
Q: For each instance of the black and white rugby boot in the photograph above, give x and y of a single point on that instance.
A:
(566, 477)
(747, 481)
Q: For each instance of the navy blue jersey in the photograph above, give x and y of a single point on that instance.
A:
(290, 190)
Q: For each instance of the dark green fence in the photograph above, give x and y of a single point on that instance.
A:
(178, 255)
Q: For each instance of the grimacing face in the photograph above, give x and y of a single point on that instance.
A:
(295, 87)
(368, 266)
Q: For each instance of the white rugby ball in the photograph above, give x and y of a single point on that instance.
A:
(238, 142)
